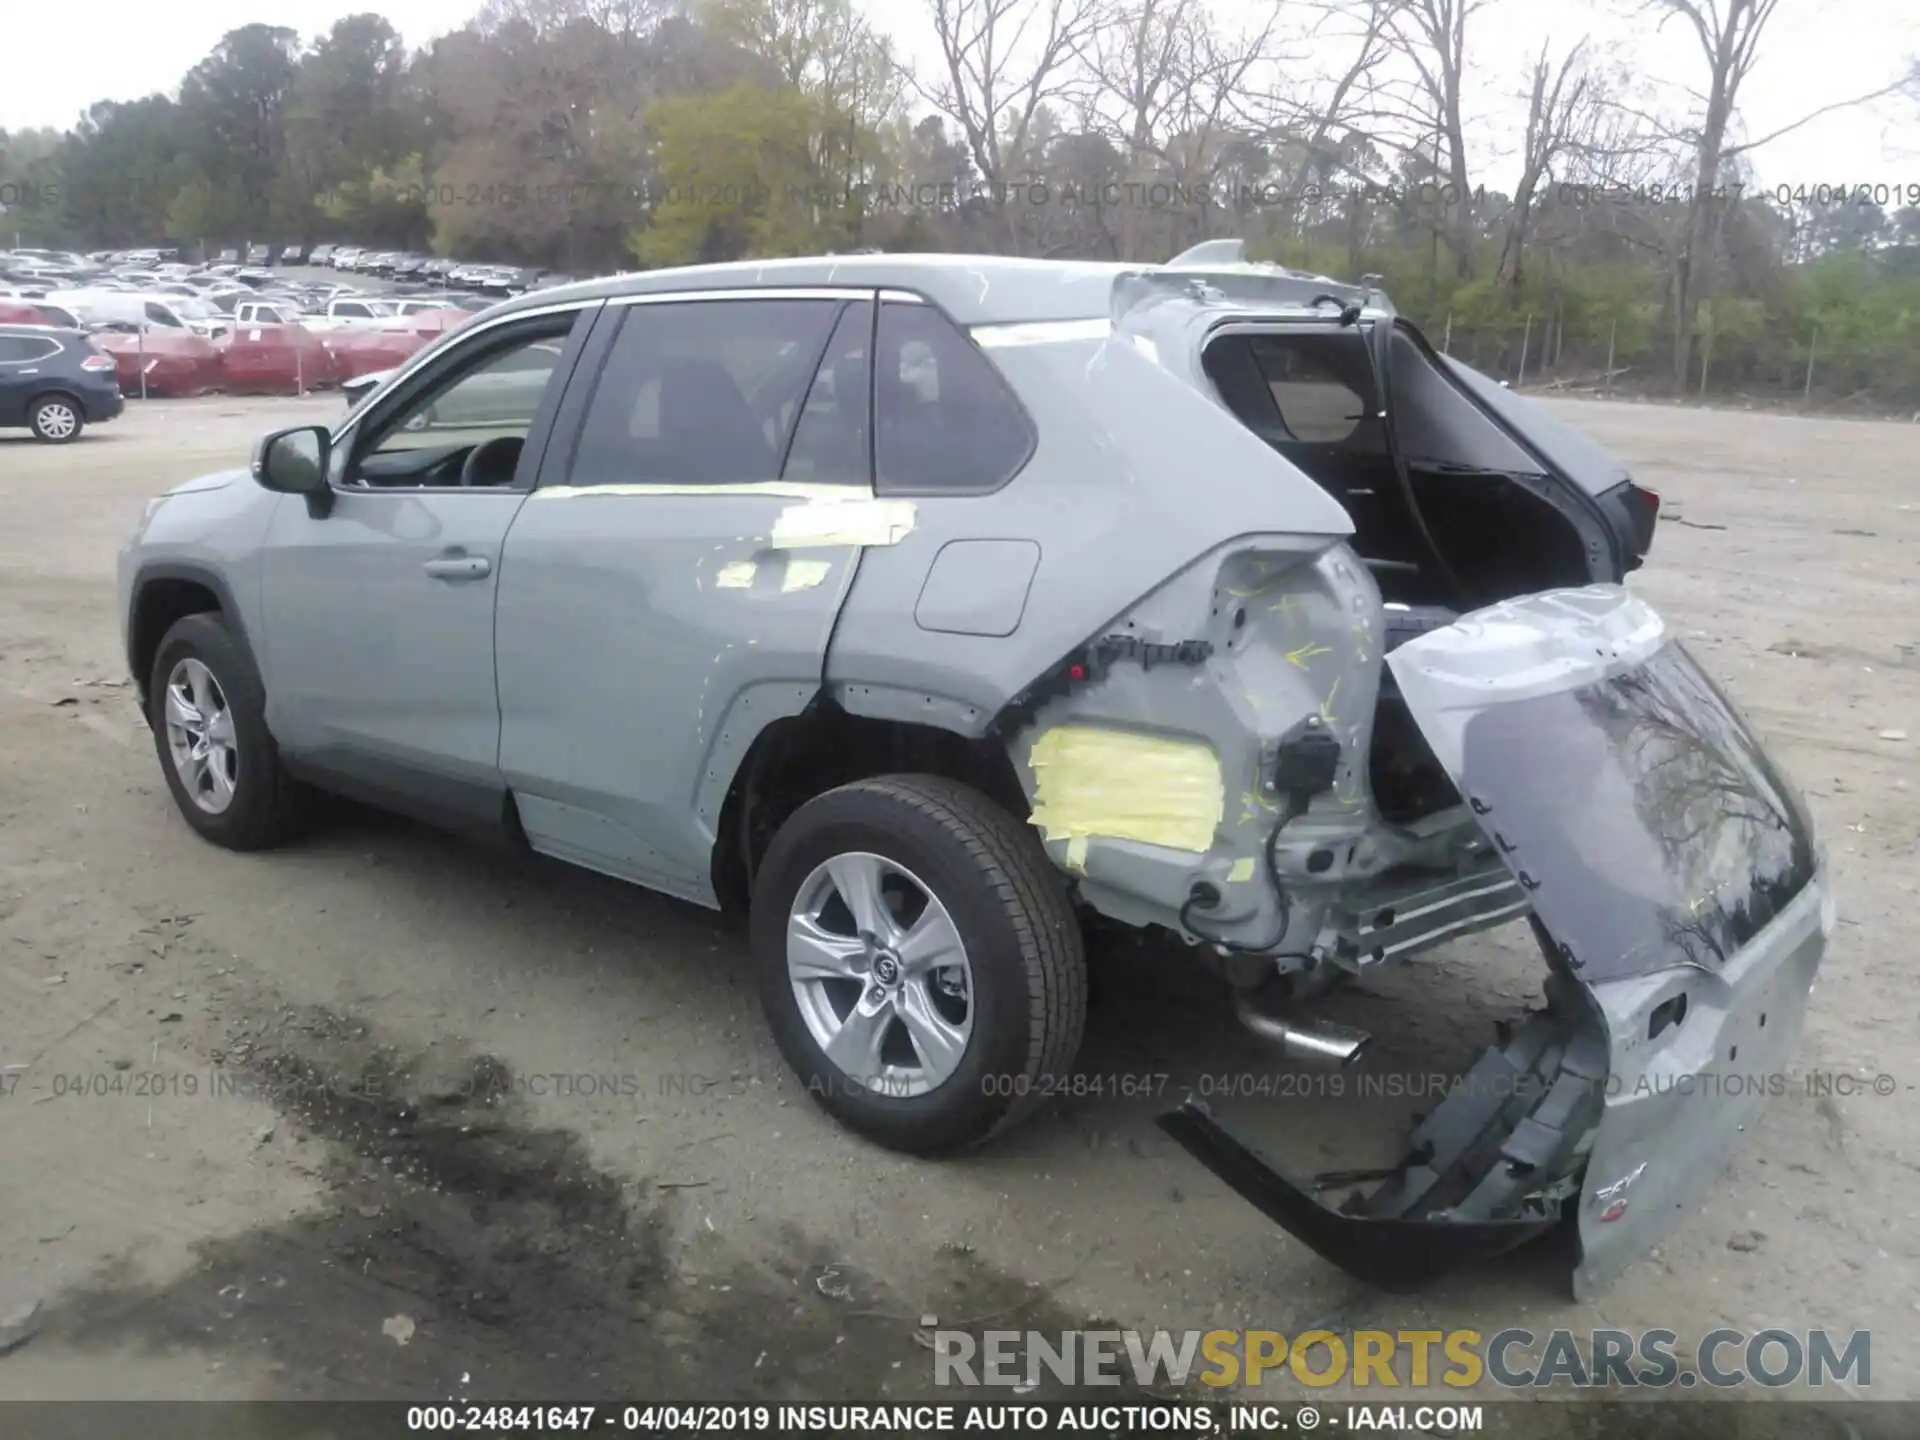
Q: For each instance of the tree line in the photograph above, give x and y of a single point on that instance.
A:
(590, 135)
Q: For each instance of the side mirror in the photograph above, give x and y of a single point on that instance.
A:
(294, 462)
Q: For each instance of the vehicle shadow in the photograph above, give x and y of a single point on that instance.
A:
(1160, 1028)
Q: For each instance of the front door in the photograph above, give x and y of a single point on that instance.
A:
(379, 614)
(677, 593)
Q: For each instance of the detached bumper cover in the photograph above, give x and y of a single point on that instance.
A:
(1678, 894)
(1392, 1252)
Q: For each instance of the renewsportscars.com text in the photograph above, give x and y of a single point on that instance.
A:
(1511, 1358)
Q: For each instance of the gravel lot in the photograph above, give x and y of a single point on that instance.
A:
(671, 1216)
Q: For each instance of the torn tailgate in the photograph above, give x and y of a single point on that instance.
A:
(1671, 867)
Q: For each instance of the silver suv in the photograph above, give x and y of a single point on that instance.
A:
(936, 609)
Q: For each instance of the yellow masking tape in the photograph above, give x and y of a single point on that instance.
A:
(805, 574)
(863, 521)
(1091, 780)
(1242, 870)
(736, 576)
(787, 489)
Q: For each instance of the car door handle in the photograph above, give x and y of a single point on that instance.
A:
(459, 567)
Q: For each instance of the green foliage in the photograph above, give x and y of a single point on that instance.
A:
(735, 177)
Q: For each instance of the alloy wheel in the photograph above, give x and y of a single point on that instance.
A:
(200, 736)
(880, 974)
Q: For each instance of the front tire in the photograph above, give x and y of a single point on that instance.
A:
(919, 961)
(207, 711)
(56, 419)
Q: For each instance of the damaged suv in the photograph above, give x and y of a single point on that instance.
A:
(930, 607)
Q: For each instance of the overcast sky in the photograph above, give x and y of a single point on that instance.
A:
(1814, 53)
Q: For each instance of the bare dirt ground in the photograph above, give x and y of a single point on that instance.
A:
(385, 1115)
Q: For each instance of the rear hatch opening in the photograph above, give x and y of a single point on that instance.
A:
(1451, 511)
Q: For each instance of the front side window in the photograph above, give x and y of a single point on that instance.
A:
(702, 392)
(160, 315)
(945, 421)
(493, 394)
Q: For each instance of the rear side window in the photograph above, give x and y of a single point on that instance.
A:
(946, 421)
(350, 308)
(831, 443)
(702, 392)
(25, 349)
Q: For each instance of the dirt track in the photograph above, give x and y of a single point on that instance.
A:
(655, 1207)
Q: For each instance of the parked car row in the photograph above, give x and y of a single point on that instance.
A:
(497, 281)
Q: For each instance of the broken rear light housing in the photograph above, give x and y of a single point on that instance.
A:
(1643, 509)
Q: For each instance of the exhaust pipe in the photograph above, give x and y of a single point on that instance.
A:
(1332, 1047)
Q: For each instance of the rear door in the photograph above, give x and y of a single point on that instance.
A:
(670, 587)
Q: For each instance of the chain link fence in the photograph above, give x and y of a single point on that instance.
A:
(1632, 355)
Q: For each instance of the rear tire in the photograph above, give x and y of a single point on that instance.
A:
(56, 419)
(207, 710)
(960, 1074)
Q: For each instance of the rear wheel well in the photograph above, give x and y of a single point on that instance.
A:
(823, 747)
(160, 605)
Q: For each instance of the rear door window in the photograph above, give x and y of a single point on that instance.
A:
(702, 392)
(945, 420)
(832, 443)
(26, 349)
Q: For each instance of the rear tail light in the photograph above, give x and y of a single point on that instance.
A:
(97, 363)
(1643, 506)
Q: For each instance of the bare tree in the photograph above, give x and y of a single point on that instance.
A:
(1728, 34)
(1306, 117)
(1557, 102)
(1001, 61)
(1432, 36)
(1161, 80)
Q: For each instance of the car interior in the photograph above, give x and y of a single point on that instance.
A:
(445, 440)
(1464, 529)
